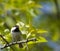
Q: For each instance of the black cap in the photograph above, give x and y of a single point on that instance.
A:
(16, 28)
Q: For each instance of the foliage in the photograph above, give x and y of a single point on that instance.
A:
(36, 19)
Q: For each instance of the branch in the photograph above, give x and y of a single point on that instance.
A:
(18, 42)
(6, 42)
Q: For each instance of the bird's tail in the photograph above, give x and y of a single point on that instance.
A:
(20, 45)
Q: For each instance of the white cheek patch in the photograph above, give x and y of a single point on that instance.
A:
(13, 29)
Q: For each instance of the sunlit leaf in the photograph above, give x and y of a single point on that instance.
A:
(55, 37)
(31, 42)
(41, 39)
(28, 35)
(42, 31)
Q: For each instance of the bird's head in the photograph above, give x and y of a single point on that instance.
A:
(15, 28)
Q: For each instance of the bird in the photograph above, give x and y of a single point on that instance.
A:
(16, 35)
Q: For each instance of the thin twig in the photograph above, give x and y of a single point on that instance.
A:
(57, 8)
(6, 41)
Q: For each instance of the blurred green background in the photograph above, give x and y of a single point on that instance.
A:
(38, 19)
